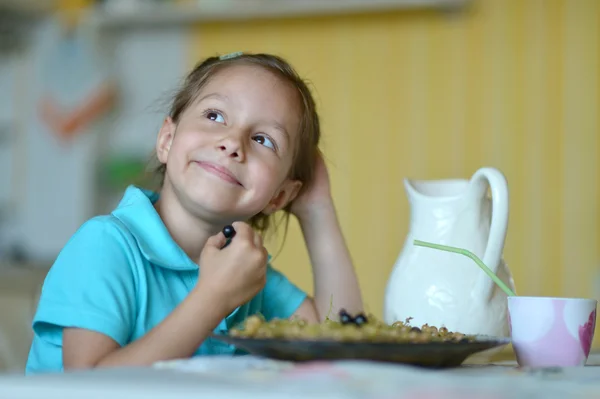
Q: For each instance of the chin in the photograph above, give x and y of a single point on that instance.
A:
(215, 202)
(212, 208)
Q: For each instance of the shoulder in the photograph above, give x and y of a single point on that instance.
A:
(101, 238)
(101, 247)
(101, 230)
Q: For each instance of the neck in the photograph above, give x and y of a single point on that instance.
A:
(188, 231)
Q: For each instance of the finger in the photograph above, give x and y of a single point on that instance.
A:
(216, 241)
(258, 241)
(266, 256)
(243, 232)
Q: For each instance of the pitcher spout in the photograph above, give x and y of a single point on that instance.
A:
(410, 189)
(439, 190)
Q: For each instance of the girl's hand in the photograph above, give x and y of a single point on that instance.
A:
(236, 273)
(317, 195)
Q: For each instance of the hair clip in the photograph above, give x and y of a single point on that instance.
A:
(231, 55)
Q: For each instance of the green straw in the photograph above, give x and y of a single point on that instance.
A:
(471, 255)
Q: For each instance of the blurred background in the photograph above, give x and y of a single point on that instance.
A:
(422, 89)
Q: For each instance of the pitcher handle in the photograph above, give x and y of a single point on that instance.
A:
(499, 222)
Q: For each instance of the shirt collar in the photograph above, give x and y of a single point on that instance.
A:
(136, 211)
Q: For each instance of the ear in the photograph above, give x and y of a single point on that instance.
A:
(287, 193)
(164, 140)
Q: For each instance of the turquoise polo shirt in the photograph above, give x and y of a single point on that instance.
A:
(122, 274)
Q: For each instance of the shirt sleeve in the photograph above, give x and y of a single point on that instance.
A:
(90, 286)
(281, 298)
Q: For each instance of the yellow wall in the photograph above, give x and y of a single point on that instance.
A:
(508, 83)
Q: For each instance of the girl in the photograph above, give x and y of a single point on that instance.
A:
(152, 280)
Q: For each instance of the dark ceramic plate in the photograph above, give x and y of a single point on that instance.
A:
(434, 354)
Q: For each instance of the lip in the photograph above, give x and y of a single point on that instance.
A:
(219, 171)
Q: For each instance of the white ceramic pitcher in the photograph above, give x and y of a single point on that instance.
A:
(447, 289)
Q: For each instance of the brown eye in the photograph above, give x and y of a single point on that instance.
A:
(264, 140)
(215, 116)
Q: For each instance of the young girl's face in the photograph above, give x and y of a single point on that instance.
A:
(229, 155)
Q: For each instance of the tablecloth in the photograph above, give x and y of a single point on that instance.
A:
(250, 377)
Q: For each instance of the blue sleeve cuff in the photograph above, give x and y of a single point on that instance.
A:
(52, 317)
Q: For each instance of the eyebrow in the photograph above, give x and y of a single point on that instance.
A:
(214, 95)
(282, 129)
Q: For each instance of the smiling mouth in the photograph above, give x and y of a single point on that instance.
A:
(220, 172)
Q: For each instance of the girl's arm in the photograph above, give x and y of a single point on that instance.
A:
(334, 276)
(178, 336)
(230, 277)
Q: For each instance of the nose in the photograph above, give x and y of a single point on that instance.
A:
(233, 146)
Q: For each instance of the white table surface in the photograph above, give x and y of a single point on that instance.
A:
(250, 377)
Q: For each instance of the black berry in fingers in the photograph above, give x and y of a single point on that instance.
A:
(228, 231)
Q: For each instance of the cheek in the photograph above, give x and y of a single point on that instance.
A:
(178, 156)
(267, 176)
(184, 141)
(175, 153)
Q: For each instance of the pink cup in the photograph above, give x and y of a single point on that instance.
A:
(551, 332)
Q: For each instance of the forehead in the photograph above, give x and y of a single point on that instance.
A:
(255, 88)
(247, 76)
